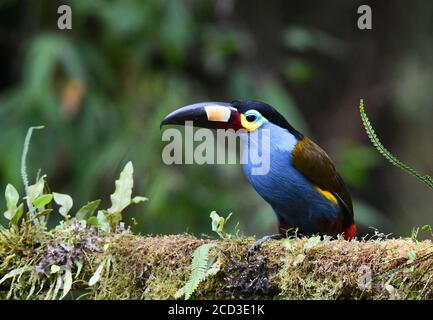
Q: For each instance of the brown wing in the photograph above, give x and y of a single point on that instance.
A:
(313, 162)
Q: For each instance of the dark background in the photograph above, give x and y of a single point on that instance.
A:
(102, 88)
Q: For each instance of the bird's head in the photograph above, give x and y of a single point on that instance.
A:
(248, 115)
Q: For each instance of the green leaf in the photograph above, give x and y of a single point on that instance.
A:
(113, 218)
(312, 242)
(35, 190)
(87, 210)
(42, 213)
(12, 198)
(67, 283)
(42, 200)
(426, 227)
(138, 199)
(15, 272)
(218, 223)
(54, 268)
(102, 221)
(59, 283)
(93, 221)
(49, 292)
(64, 201)
(97, 275)
(79, 266)
(18, 214)
(13, 212)
(121, 198)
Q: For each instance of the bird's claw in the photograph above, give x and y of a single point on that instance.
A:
(256, 245)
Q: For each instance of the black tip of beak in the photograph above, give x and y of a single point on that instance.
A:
(169, 119)
(163, 122)
(188, 113)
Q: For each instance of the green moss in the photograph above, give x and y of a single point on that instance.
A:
(151, 267)
(138, 267)
(341, 269)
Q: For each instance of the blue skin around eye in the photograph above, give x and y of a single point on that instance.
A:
(294, 199)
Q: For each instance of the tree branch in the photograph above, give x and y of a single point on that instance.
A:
(137, 267)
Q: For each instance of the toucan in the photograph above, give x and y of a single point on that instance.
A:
(302, 184)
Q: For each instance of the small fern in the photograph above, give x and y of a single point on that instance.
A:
(218, 224)
(24, 167)
(428, 180)
(201, 263)
(24, 155)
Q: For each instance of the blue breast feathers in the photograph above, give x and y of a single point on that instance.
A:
(294, 199)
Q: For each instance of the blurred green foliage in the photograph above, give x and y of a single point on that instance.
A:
(102, 88)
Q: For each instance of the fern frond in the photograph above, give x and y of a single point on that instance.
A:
(428, 180)
(24, 167)
(24, 155)
(199, 267)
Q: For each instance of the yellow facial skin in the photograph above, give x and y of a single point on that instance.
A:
(251, 126)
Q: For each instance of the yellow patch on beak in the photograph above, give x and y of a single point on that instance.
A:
(218, 113)
(328, 195)
(250, 126)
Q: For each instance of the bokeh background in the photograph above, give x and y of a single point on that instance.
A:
(102, 88)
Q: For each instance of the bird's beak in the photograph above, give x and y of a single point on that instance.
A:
(213, 115)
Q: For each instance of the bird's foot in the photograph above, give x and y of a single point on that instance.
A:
(259, 243)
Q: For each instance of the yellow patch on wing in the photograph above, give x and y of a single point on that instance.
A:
(217, 113)
(249, 126)
(328, 195)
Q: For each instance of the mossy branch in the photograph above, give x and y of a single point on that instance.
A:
(428, 180)
(159, 267)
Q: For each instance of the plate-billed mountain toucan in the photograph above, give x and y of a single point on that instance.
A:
(302, 185)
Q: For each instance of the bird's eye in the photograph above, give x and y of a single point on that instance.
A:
(251, 117)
